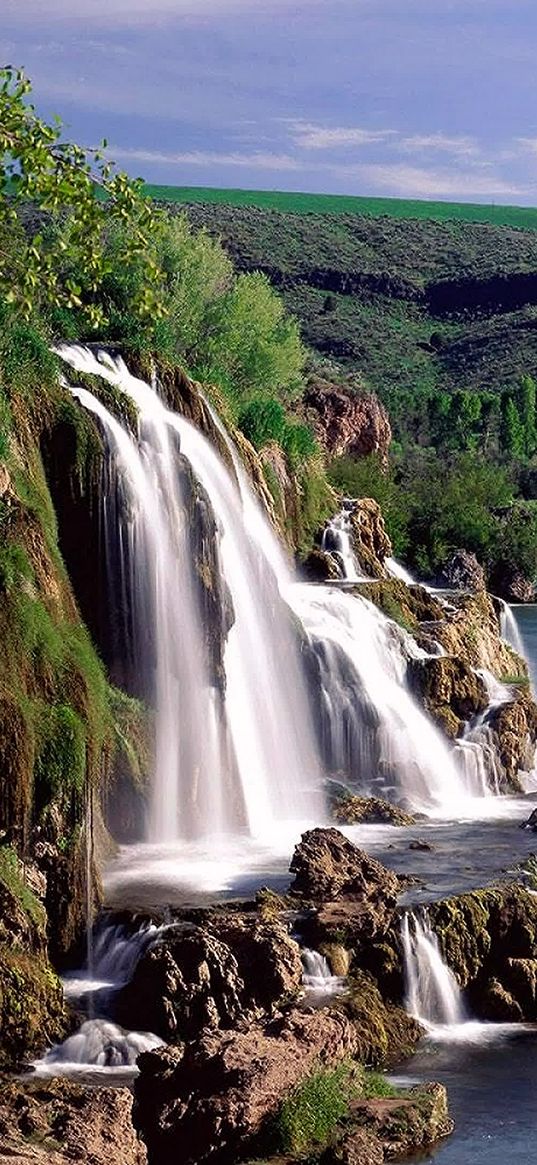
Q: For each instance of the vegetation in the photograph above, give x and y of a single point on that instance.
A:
(302, 203)
(311, 1114)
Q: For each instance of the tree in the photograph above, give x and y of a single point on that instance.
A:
(38, 265)
(526, 408)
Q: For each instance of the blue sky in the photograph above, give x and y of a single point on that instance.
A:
(411, 98)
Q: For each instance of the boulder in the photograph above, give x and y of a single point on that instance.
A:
(531, 823)
(463, 572)
(347, 421)
(212, 1100)
(56, 1122)
(214, 975)
(319, 566)
(349, 809)
(407, 1124)
(450, 691)
(369, 539)
(514, 726)
(356, 1147)
(510, 584)
(386, 1035)
(354, 895)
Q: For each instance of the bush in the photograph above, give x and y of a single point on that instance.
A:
(309, 1116)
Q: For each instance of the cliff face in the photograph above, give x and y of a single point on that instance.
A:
(346, 421)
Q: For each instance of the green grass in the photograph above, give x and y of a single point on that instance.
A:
(312, 1112)
(303, 203)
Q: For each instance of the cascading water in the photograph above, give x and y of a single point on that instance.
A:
(317, 976)
(397, 570)
(337, 541)
(372, 728)
(100, 1046)
(433, 995)
(253, 764)
(509, 629)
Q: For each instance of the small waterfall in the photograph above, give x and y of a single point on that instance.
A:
(317, 976)
(396, 570)
(433, 995)
(100, 1045)
(372, 729)
(337, 541)
(509, 629)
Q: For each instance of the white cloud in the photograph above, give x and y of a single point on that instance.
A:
(318, 137)
(416, 182)
(459, 147)
(255, 161)
(527, 145)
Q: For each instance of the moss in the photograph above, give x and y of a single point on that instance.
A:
(386, 1034)
(132, 733)
(32, 1011)
(310, 1115)
(11, 878)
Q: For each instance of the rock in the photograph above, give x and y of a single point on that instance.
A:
(510, 584)
(450, 691)
(489, 940)
(470, 630)
(320, 567)
(515, 731)
(215, 1096)
(369, 539)
(211, 976)
(531, 823)
(386, 1035)
(418, 843)
(338, 957)
(346, 421)
(357, 1147)
(327, 866)
(56, 1122)
(5, 480)
(404, 1125)
(463, 572)
(350, 810)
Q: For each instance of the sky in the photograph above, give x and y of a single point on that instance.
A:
(404, 98)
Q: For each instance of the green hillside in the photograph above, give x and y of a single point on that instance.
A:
(302, 203)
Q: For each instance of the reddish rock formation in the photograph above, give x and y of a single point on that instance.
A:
(55, 1122)
(210, 1100)
(370, 541)
(347, 421)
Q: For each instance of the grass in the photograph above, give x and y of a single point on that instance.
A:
(312, 1112)
(10, 876)
(303, 203)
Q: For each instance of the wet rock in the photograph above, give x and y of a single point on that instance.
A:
(320, 567)
(450, 691)
(531, 823)
(386, 1035)
(216, 976)
(369, 539)
(418, 843)
(489, 940)
(347, 421)
(349, 809)
(216, 1096)
(56, 1122)
(463, 572)
(515, 729)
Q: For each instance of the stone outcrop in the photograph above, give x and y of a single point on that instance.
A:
(347, 421)
(215, 1097)
(386, 1035)
(319, 567)
(56, 1122)
(348, 809)
(489, 940)
(369, 539)
(32, 1010)
(408, 1124)
(514, 727)
(463, 572)
(510, 584)
(353, 895)
(230, 969)
(450, 691)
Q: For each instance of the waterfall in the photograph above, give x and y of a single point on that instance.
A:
(433, 995)
(396, 570)
(248, 761)
(372, 729)
(317, 976)
(337, 541)
(100, 1046)
(509, 629)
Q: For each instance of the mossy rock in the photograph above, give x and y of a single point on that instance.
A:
(348, 809)
(32, 1010)
(449, 690)
(386, 1034)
